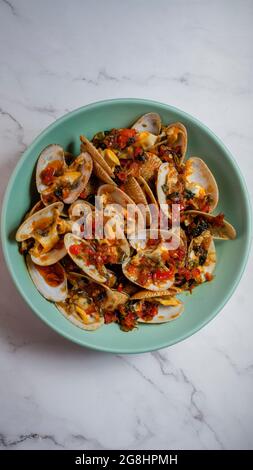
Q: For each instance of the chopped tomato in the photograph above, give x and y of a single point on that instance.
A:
(47, 175)
(195, 273)
(52, 274)
(128, 322)
(54, 168)
(122, 176)
(91, 310)
(153, 241)
(148, 311)
(208, 276)
(110, 317)
(184, 272)
(138, 151)
(123, 137)
(132, 269)
(161, 275)
(75, 250)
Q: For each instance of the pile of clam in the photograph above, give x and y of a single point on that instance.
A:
(129, 279)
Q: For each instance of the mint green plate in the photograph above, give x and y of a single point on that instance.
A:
(207, 300)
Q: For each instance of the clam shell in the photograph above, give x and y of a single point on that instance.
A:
(165, 314)
(167, 175)
(150, 122)
(210, 263)
(150, 166)
(113, 297)
(50, 153)
(159, 286)
(26, 228)
(96, 156)
(80, 208)
(225, 232)
(154, 210)
(198, 173)
(49, 258)
(102, 174)
(86, 170)
(148, 294)
(134, 190)
(90, 270)
(91, 323)
(37, 207)
(54, 294)
(110, 194)
(181, 139)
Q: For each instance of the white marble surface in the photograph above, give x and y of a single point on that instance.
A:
(56, 56)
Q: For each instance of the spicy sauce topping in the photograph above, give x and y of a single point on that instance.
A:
(52, 170)
(53, 275)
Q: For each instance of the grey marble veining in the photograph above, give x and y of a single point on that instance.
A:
(198, 56)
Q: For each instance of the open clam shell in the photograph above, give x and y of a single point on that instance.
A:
(150, 122)
(176, 135)
(153, 209)
(80, 256)
(80, 208)
(37, 207)
(47, 216)
(198, 178)
(133, 270)
(101, 174)
(54, 155)
(78, 311)
(134, 190)
(50, 281)
(64, 182)
(150, 167)
(145, 294)
(110, 194)
(165, 314)
(207, 266)
(110, 298)
(50, 257)
(221, 231)
(45, 227)
(83, 164)
(96, 156)
(167, 182)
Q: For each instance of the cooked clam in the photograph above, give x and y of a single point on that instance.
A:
(150, 166)
(51, 281)
(107, 298)
(110, 194)
(82, 311)
(134, 190)
(175, 138)
(201, 183)
(58, 181)
(165, 314)
(87, 146)
(44, 227)
(150, 122)
(220, 229)
(202, 257)
(84, 255)
(51, 162)
(168, 182)
(148, 272)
